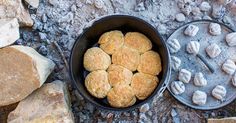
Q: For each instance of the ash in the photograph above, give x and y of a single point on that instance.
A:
(63, 20)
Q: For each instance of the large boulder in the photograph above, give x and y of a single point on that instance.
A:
(9, 31)
(22, 70)
(48, 104)
(15, 9)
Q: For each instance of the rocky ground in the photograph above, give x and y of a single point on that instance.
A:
(62, 21)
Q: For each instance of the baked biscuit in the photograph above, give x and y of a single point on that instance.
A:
(137, 41)
(97, 83)
(126, 57)
(119, 75)
(96, 59)
(121, 96)
(143, 85)
(111, 41)
(150, 63)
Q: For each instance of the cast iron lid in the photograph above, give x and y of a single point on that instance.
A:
(89, 37)
(194, 65)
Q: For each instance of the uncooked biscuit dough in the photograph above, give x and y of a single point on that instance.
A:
(231, 39)
(199, 97)
(126, 57)
(219, 92)
(177, 87)
(143, 85)
(97, 83)
(121, 96)
(214, 29)
(175, 62)
(213, 50)
(199, 80)
(138, 41)
(229, 67)
(193, 47)
(184, 75)
(96, 59)
(173, 45)
(111, 41)
(119, 75)
(150, 63)
(191, 30)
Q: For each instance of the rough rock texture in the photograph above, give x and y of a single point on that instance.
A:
(49, 104)
(62, 21)
(15, 9)
(9, 31)
(23, 70)
(33, 3)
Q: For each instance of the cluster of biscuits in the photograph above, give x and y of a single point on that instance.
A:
(122, 68)
(213, 50)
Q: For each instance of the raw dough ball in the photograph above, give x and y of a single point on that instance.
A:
(126, 57)
(180, 17)
(219, 92)
(205, 6)
(97, 83)
(150, 63)
(173, 45)
(96, 59)
(191, 30)
(215, 29)
(193, 47)
(137, 41)
(213, 50)
(175, 62)
(234, 80)
(231, 39)
(199, 97)
(184, 75)
(143, 85)
(121, 96)
(177, 87)
(229, 67)
(119, 75)
(199, 79)
(111, 41)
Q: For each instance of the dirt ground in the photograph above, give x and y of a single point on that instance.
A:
(62, 21)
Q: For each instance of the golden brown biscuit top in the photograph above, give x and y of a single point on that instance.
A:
(111, 41)
(150, 63)
(137, 41)
(96, 59)
(127, 58)
(121, 96)
(97, 83)
(143, 85)
(119, 75)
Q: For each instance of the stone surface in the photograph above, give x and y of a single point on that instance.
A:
(160, 14)
(22, 70)
(9, 31)
(15, 9)
(49, 104)
(33, 3)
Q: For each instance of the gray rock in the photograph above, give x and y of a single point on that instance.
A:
(53, 2)
(43, 50)
(73, 8)
(173, 112)
(99, 4)
(144, 108)
(140, 7)
(180, 17)
(206, 17)
(42, 36)
(44, 18)
(162, 29)
(186, 10)
(205, 6)
(218, 11)
(196, 11)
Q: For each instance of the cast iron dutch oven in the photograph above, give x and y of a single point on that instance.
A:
(89, 37)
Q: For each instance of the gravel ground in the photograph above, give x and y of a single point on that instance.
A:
(62, 20)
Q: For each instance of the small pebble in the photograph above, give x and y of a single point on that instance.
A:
(99, 4)
(44, 18)
(218, 11)
(140, 7)
(173, 112)
(180, 17)
(144, 108)
(205, 6)
(19, 41)
(186, 10)
(162, 29)
(206, 17)
(196, 11)
(43, 50)
(42, 36)
(73, 8)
